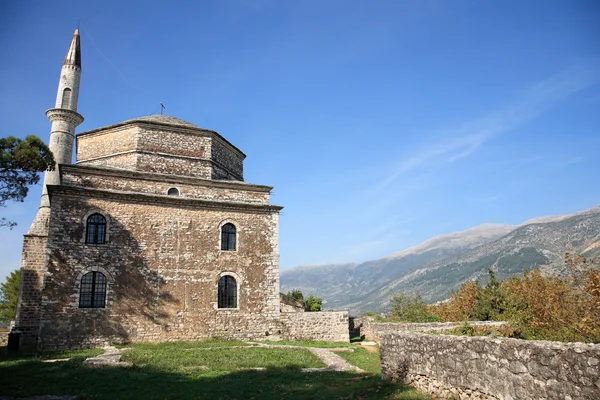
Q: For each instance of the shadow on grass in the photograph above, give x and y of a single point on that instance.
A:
(20, 377)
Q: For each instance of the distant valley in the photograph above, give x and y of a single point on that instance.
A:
(442, 263)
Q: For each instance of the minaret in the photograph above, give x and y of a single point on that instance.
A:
(64, 119)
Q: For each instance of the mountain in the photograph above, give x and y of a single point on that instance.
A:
(439, 265)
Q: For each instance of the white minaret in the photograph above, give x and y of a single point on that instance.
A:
(64, 119)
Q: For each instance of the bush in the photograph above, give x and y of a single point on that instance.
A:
(411, 309)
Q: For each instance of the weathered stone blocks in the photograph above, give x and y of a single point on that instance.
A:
(491, 368)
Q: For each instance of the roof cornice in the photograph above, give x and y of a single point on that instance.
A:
(156, 177)
(159, 199)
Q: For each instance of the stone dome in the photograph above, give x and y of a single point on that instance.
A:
(163, 119)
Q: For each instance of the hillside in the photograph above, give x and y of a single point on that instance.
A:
(442, 263)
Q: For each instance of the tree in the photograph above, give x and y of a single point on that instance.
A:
(21, 161)
(313, 303)
(490, 300)
(296, 295)
(9, 292)
(411, 309)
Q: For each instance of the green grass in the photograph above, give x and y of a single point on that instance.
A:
(307, 343)
(200, 370)
(363, 359)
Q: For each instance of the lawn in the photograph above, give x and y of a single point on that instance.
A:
(198, 370)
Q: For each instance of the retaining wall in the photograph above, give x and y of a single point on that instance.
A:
(326, 326)
(491, 368)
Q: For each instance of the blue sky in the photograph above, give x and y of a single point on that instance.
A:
(380, 124)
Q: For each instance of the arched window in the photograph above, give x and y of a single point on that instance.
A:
(173, 192)
(228, 237)
(66, 98)
(92, 291)
(96, 229)
(227, 294)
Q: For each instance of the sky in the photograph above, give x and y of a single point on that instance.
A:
(380, 124)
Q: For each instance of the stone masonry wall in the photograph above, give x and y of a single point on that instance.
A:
(246, 193)
(174, 165)
(3, 338)
(491, 368)
(371, 330)
(95, 149)
(167, 150)
(33, 267)
(163, 261)
(229, 164)
(325, 326)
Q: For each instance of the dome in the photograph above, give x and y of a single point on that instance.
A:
(163, 119)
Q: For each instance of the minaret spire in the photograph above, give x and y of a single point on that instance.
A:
(73, 56)
(64, 118)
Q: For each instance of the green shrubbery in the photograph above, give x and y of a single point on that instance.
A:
(557, 307)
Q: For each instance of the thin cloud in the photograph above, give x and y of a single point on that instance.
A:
(456, 144)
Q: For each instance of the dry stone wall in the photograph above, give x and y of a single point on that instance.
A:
(371, 330)
(491, 368)
(3, 338)
(325, 326)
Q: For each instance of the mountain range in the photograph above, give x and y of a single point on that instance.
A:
(437, 266)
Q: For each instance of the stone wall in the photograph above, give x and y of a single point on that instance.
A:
(326, 326)
(3, 338)
(173, 150)
(107, 179)
(162, 260)
(371, 330)
(491, 368)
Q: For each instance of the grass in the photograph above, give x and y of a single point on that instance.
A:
(362, 359)
(199, 370)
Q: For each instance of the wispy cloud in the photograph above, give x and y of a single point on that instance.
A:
(450, 145)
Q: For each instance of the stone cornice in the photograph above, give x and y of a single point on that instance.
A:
(145, 198)
(156, 177)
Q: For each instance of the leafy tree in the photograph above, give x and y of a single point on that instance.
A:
(313, 303)
(9, 292)
(21, 161)
(462, 305)
(490, 300)
(296, 294)
(411, 309)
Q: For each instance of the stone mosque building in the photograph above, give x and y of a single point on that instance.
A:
(152, 235)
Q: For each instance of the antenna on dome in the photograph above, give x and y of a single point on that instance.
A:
(162, 107)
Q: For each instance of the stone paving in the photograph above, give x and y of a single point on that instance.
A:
(110, 358)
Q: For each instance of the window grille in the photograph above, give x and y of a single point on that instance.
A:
(92, 292)
(227, 293)
(228, 237)
(66, 98)
(96, 229)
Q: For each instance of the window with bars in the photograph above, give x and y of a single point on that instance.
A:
(95, 229)
(227, 292)
(92, 291)
(66, 98)
(228, 237)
